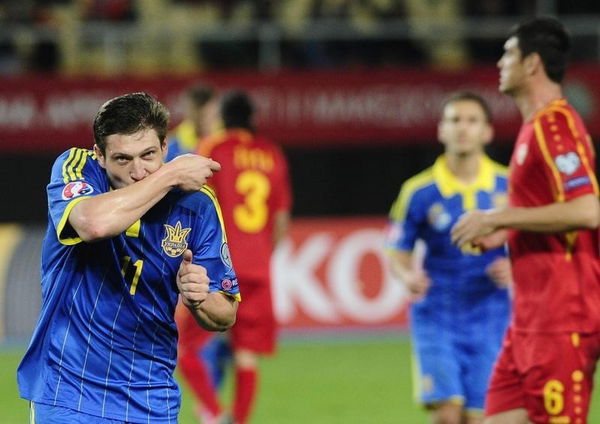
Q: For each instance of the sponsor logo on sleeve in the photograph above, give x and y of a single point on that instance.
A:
(175, 241)
(226, 284)
(577, 182)
(75, 189)
(567, 163)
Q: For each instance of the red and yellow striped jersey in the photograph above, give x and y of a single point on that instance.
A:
(557, 276)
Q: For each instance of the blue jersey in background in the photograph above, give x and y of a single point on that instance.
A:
(458, 326)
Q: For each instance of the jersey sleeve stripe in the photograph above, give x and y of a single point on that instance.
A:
(68, 241)
(73, 167)
(211, 194)
(66, 164)
(543, 145)
(235, 296)
(79, 168)
(400, 206)
(71, 170)
(585, 160)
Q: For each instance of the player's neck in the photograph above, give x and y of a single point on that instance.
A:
(464, 167)
(537, 97)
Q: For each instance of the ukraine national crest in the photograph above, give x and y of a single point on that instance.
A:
(175, 241)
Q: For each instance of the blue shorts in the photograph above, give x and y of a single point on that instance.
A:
(40, 413)
(454, 353)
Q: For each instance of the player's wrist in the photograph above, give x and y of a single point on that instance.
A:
(168, 174)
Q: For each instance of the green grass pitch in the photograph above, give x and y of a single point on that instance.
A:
(316, 381)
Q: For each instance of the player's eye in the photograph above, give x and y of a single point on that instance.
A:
(121, 160)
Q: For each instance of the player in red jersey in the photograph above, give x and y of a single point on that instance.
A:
(544, 373)
(255, 200)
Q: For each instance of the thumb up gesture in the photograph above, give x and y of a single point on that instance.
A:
(192, 281)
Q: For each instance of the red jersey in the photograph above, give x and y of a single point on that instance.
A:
(557, 276)
(252, 186)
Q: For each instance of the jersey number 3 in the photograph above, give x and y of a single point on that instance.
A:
(252, 215)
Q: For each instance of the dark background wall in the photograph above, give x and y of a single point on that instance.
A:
(326, 181)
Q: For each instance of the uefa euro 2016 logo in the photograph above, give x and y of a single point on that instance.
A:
(175, 241)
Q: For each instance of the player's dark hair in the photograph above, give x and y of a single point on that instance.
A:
(200, 94)
(237, 110)
(129, 114)
(459, 96)
(549, 38)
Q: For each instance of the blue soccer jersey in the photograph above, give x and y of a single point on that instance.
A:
(105, 342)
(458, 326)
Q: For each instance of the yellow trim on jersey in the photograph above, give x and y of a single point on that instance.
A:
(542, 143)
(73, 167)
(186, 135)
(416, 377)
(410, 186)
(10, 236)
(63, 221)
(449, 185)
(31, 413)
(134, 229)
(578, 145)
(236, 296)
(65, 163)
(211, 194)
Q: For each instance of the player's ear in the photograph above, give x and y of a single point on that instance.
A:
(100, 156)
(440, 132)
(488, 134)
(533, 63)
(164, 148)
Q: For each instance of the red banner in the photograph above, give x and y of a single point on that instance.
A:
(297, 108)
(333, 273)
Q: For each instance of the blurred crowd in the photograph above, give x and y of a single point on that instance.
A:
(146, 36)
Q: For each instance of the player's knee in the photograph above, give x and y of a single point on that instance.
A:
(245, 359)
(447, 414)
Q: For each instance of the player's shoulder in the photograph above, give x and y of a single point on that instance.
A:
(194, 201)
(499, 170)
(74, 162)
(423, 181)
(558, 116)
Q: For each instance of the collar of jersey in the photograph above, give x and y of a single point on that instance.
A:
(449, 185)
(186, 134)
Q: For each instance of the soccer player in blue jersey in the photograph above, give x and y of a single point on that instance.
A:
(460, 301)
(127, 235)
(200, 119)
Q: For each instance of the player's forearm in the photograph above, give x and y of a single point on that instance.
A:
(580, 213)
(280, 226)
(216, 313)
(401, 264)
(109, 214)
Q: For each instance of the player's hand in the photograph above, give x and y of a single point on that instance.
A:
(471, 227)
(417, 282)
(192, 281)
(192, 171)
(500, 272)
(491, 241)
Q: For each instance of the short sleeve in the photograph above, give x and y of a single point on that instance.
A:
(404, 221)
(567, 154)
(212, 250)
(75, 176)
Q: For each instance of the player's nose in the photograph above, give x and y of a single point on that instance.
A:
(137, 171)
